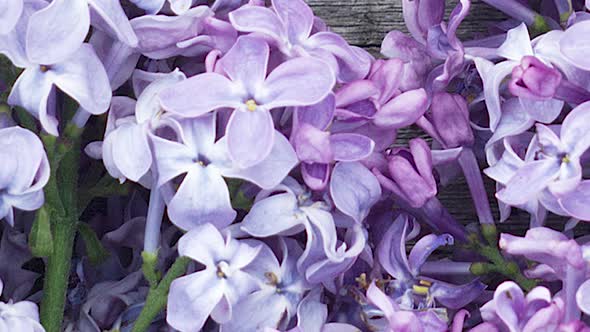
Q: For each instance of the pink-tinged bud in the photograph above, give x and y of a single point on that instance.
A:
(450, 117)
(533, 79)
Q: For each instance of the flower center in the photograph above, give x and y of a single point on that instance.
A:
(223, 269)
(44, 68)
(422, 287)
(251, 105)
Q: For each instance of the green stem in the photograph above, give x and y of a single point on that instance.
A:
(62, 204)
(158, 296)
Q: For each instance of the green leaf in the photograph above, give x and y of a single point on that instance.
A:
(40, 237)
(96, 252)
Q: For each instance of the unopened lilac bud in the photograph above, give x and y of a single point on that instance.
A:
(533, 79)
(450, 117)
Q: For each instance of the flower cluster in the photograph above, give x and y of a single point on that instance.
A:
(234, 166)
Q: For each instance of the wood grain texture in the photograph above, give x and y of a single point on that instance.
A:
(365, 23)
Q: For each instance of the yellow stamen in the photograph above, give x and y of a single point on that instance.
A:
(420, 290)
(566, 159)
(44, 68)
(362, 281)
(425, 283)
(251, 105)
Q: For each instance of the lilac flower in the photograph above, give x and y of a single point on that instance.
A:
(252, 94)
(126, 151)
(280, 292)
(556, 163)
(10, 12)
(19, 316)
(317, 148)
(203, 196)
(289, 25)
(410, 290)
(217, 288)
(312, 314)
(559, 257)
(378, 101)
(194, 32)
(23, 173)
(55, 57)
(292, 210)
(510, 310)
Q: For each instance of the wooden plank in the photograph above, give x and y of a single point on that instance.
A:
(365, 23)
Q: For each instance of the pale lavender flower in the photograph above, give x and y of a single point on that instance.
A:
(252, 94)
(55, 57)
(19, 316)
(217, 288)
(203, 195)
(289, 23)
(318, 149)
(23, 173)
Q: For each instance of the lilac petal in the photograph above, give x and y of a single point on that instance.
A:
(192, 299)
(315, 175)
(313, 145)
(403, 110)
(311, 313)
(492, 77)
(355, 92)
(416, 189)
(250, 137)
(56, 31)
(514, 121)
(319, 115)
(388, 78)
(353, 63)
(575, 203)
(296, 16)
(424, 247)
(517, 44)
(180, 7)
(575, 129)
(10, 12)
(510, 304)
(351, 147)
(545, 111)
(258, 19)
(202, 198)
(251, 51)
(354, 189)
(201, 244)
(391, 251)
(150, 6)
(529, 181)
(322, 228)
(32, 91)
(263, 309)
(148, 103)
(456, 297)
(111, 14)
(172, 159)
(543, 318)
(83, 78)
(118, 59)
(131, 151)
(297, 82)
(268, 173)
(211, 90)
(573, 44)
(583, 297)
(382, 301)
(275, 215)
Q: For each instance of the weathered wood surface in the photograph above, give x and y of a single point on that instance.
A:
(364, 23)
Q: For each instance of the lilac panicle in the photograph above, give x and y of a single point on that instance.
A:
(252, 94)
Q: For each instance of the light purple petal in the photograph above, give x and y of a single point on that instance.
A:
(529, 181)
(426, 246)
(200, 94)
(545, 111)
(319, 115)
(351, 147)
(574, 44)
(118, 59)
(258, 19)
(456, 296)
(315, 175)
(202, 198)
(192, 299)
(312, 144)
(575, 130)
(382, 301)
(172, 159)
(131, 151)
(250, 136)
(83, 78)
(202, 244)
(263, 309)
(492, 77)
(270, 171)
(510, 304)
(273, 216)
(583, 297)
(10, 12)
(517, 44)
(57, 31)
(391, 251)
(246, 62)
(32, 91)
(297, 82)
(296, 16)
(354, 189)
(111, 14)
(403, 110)
(576, 202)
